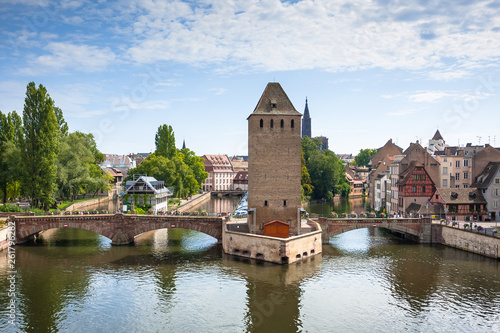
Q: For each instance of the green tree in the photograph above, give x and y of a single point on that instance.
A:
(10, 135)
(363, 158)
(310, 146)
(39, 146)
(326, 171)
(196, 164)
(165, 142)
(63, 125)
(307, 187)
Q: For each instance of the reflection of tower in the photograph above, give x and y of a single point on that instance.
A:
(274, 156)
(306, 122)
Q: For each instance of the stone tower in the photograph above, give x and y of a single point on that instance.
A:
(274, 157)
(306, 122)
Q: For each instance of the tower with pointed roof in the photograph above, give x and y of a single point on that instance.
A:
(436, 143)
(306, 122)
(274, 157)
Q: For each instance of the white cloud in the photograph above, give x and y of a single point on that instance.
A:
(85, 58)
(429, 96)
(334, 36)
(218, 91)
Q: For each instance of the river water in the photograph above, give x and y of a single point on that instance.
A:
(180, 281)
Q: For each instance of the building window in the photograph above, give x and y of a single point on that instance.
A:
(445, 182)
(422, 189)
(466, 163)
(457, 164)
(261, 123)
(497, 180)
(292, 123)
(437, 196)
(466, 175)
(284, 203)
(445, 159)
(272, 123)
(265, 203)
(445, 170)
(413, 189)
(457, 176)
(466, 185)
(282, 123)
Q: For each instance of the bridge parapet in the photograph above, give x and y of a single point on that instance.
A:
(120, 228)
(418, 229)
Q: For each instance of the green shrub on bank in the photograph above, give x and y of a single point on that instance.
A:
(10, 208)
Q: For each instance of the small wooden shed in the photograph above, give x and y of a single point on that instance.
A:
(277, 229)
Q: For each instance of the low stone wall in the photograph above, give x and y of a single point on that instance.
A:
(4, 234)
(83, 204)
(272, 249)
(8, 214)
(474, 242)
(195, 202)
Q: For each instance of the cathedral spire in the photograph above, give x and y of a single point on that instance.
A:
(184, 144)
(306, 122)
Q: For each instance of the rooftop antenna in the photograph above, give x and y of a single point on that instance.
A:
(494, 140)
(489, 142)
(479, 139)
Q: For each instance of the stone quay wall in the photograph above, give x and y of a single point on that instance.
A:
(470, 241)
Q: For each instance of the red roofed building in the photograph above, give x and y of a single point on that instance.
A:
(415, 186)
(240, 182)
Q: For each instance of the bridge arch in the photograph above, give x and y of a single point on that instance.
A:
(121, 229)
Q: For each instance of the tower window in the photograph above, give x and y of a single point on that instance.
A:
(265, 203)
(261, 123)
(273, 103)
(272, 123)
(292, 123)
(284, 203)
(282, 123)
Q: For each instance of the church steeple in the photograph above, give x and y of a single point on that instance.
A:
(306, 122)
(184, 144)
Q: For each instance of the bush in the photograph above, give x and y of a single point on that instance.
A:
(139, 211)
(10, 208)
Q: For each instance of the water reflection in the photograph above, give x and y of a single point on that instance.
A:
(338, 205)
(179, 280)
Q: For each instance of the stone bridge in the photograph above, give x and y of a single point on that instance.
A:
(120, 228)
(417, 229)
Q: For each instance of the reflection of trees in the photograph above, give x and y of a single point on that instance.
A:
(412, 272)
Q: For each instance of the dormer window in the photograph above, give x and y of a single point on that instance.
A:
(273, 103)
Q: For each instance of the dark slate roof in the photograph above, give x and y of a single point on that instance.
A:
(275, 101)
(461, 195)
(413, 208)
(437, 136)
(484, 179)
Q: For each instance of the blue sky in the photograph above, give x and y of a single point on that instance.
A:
(371, 70)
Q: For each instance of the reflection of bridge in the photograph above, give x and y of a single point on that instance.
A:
(417, 229)
(121, 229)
(227, 192)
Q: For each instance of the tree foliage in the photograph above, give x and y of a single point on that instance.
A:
(39, 146)
(326, 171)
(165, 142)
(40, 159)
(363, 158)
(181, 169)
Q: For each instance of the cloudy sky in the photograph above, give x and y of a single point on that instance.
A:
(371, 70)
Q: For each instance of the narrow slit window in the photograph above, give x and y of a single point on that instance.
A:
(292, 123)
(284, 203)
(265, 203)
(261, 123)
(272, 123)
(282, 125)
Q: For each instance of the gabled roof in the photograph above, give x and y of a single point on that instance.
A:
(437, 136)
(275, 101)
(484, 179)
(406, 173)
(461, 195)
(151, 184)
